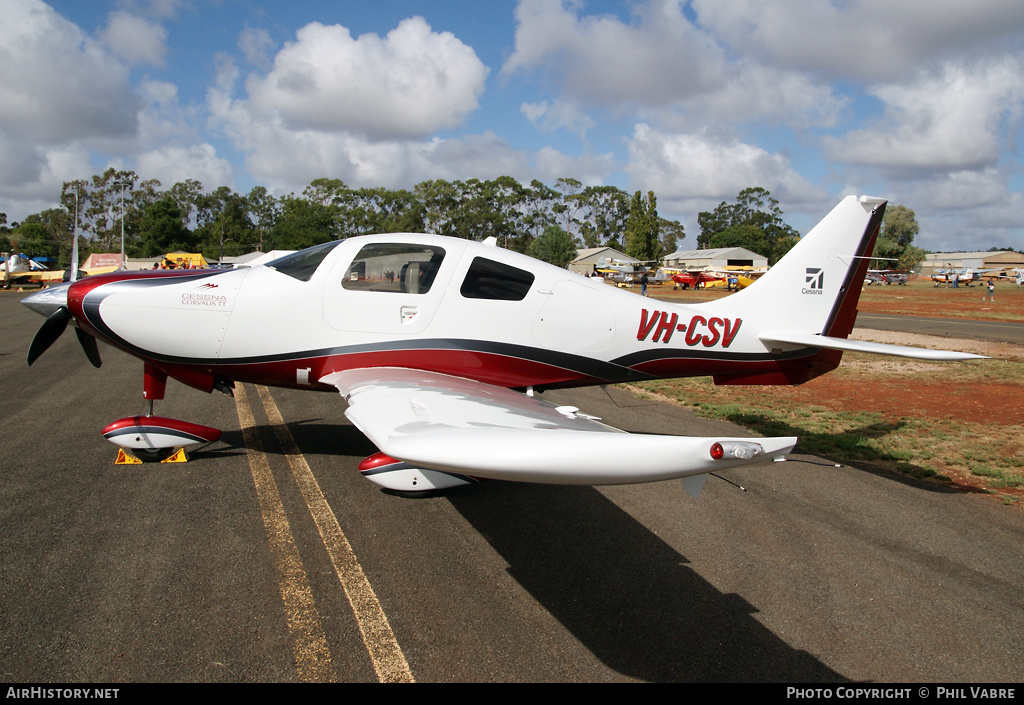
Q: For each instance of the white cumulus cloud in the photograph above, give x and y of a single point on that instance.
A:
(695, 166)
(952, 119)
(660, 65)
(171, 164)
(57, 84)
(410, 83)
(135, 39)
(861, 40)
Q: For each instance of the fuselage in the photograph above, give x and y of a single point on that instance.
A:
(422, 302)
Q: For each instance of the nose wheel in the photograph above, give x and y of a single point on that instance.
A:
(154, 439)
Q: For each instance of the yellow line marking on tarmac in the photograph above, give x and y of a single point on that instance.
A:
(309, 642)
(385, 652)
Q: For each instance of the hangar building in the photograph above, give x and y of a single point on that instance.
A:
(715, 258)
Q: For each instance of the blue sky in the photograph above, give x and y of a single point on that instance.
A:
(919, 101)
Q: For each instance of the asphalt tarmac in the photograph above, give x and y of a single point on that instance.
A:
(994, 331)
(267, 558)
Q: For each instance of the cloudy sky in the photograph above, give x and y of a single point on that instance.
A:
(919, 101)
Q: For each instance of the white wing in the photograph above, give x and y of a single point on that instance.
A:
(459, 425)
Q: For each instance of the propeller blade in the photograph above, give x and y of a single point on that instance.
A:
(92, 350)
(47, 335)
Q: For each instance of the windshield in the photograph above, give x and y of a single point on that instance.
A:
(303, 263)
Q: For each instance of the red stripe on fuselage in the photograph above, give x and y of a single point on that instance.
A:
(81, 288)
(507, 371)
(491, 368)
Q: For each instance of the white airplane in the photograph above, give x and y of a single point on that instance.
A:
(1015, 275)
(628, 272)
(438, 345)
(966, 276)
(17, 268)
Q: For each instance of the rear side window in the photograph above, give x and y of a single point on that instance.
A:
(398, 268)
(487, 279)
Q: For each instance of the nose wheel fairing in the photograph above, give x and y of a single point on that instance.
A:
(155, 438)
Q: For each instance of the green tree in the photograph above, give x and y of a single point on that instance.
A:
(642, 241)
(50, 235)
(555, 246)
(380, 210)
(605, 211)
(303, 223)
(440, 200)
(225, 229)
(162, 230)
(754, 207)
(781, 246)
(569, 204)
(896, 240)
(263, 211)
(186, 194)
(894, 247)
(672, 231)
(749, 237)
(33, 238)
(535, 216)
(900, 224)
(109, 200)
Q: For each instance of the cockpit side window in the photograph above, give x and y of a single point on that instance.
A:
(394, 267)
(487, 279)
(303, 263)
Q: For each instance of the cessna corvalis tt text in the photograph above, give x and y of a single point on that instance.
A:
(438, 345)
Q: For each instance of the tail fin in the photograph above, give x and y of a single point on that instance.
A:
(815, 287)
(811, 295)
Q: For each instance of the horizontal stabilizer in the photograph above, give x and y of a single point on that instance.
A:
(793, 339)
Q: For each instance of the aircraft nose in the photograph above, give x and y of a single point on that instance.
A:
(47, 301)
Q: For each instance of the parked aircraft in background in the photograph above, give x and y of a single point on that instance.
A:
(695, 278)
(885, 276)
(960, 277)
(627, 273)
(19, 270)
(439, 346)
(742, 277)
(1014, 275)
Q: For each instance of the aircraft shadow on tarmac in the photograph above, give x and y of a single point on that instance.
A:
(629, 597)
(311, 435)
(851, 443)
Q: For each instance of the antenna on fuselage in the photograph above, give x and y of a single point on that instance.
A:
(74, 245)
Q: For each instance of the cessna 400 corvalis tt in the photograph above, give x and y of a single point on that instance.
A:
(438, 344)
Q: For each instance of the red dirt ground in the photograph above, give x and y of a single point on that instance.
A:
(883, 385)
(996, 402)
(999, 404)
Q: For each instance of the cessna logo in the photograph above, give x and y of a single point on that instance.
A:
(190, 298)
(699, 331)
(815, 281)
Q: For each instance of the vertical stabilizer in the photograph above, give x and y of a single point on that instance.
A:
(816, 286)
